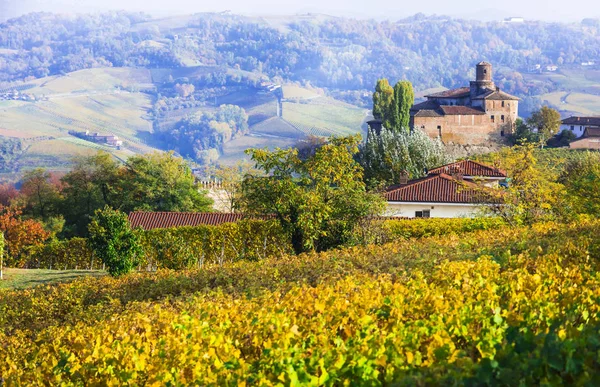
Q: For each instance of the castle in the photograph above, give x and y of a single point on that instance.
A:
(476, 115)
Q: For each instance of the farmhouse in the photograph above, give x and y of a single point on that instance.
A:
(475, 115)
(449, 191)
(578, 125)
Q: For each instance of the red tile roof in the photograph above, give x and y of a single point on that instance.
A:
(440, 188)
(152, 220)
(469, 168)
(454, 93)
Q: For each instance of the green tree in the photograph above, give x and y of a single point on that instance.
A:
(547, 122)
(523, 134)
(404, 98)
(318, 200)
(113, 241)
(383, 98)
(160, 182)
(581, 177)
(90, 185)
(391, 154)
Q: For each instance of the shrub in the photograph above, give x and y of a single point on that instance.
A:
(113, 241)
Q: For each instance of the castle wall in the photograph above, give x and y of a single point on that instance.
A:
(461, 129)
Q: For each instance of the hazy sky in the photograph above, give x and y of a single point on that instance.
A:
(567, 10)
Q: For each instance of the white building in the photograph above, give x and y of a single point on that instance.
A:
(446, 192)
(577, 125)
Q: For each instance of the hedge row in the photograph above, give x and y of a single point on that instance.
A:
(250, 240)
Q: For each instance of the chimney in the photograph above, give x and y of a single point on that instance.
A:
(497, 88)
(404, 178)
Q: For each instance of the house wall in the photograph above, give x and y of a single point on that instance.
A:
(438, 210)
(586, 143)
(577, 129)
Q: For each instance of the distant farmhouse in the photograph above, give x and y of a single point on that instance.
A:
(586, 129)
(104, 139)
(474, 115)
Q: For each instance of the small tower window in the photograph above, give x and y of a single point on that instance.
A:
(502, 133)
(493, 119)
(502, 118)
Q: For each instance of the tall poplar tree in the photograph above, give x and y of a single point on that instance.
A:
(383, 98)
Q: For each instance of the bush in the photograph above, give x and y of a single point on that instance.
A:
(113, 241)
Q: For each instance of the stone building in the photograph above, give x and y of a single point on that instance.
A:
(478, 115)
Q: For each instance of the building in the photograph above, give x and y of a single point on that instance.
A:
(474, 115)
(589, 140)
(577, 125)
(514, 19)
(450, 191)
(105, 139)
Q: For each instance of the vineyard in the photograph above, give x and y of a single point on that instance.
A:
(499, 306)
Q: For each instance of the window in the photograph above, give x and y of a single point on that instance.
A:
(572, 127)
(493, 119)
(423, 214)
(502, 103)
(439, 128)
(502, 118)
(502, 133)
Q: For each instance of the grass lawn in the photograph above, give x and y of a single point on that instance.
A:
(27, 278)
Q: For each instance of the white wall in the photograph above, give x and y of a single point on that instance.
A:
(437, 210)
(577, 129)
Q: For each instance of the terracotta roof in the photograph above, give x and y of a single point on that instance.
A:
(469, 168)
(152, 220)
(461, 110)
(440, 188)
(453, 93)
(593, 121)
(497, 95)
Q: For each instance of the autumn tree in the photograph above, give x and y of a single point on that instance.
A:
(113, 241)
(160, 182)
(184, 90)
(40, 194)
(19, 233)
(546, 121)
(8, 192)
(532, 194)
(317, 201)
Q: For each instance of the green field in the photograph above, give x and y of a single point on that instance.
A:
(27, 278)
(573, 103)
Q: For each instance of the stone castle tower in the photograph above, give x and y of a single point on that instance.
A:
(483, 80)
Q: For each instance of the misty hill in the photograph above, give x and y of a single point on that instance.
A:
(170, 76)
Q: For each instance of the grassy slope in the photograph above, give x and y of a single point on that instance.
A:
(97, 100)
(27, 278)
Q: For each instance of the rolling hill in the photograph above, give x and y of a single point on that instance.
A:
(119, 101)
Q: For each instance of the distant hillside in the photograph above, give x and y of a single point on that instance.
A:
(39, 117)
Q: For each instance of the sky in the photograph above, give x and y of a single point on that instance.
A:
(555, 10)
